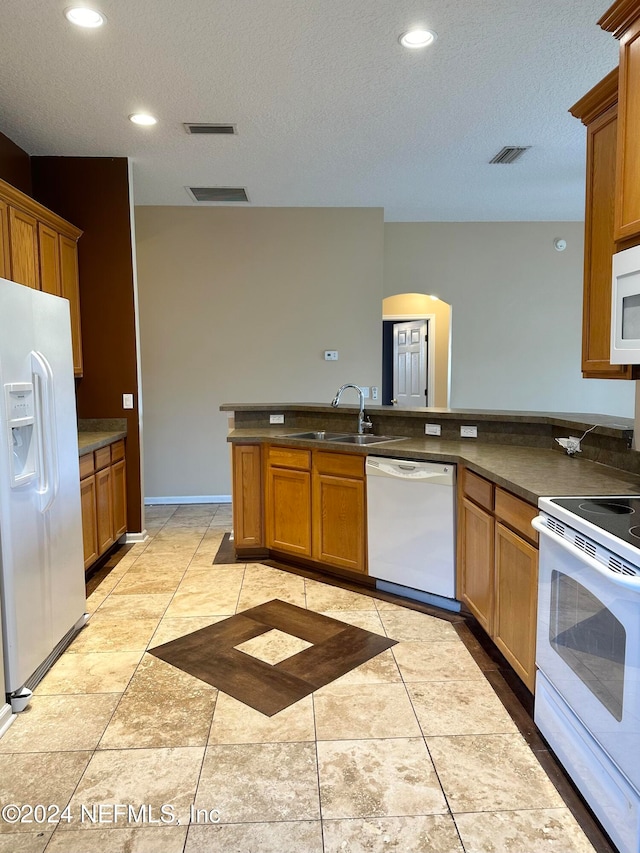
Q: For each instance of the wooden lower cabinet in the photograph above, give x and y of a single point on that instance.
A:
(338, 522)
(89, 520)
(516, 592)
(247, 496)
(289, 511)
(103, 495)
(476, 532)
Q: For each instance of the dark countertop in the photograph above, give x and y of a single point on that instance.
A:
(94, 433)
(528, 472)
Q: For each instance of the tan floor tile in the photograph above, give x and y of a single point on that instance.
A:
(410, 625)
(377, 778)
(148, 561)
(136, 606)
(321, 597)
(211, 578)
(157, 718)
(235, 722)
(171, 548)
(491, 773)
(202, 559)
(382, 669)
(273, 646)
(368, 620)
(51, 780)
(281, 837)
(154, 777)
(149, 581)
(258, 588)
(155, 674)
(170, 628)
(32, 842)
(216, 599)
(417, 834)
(156, 839)
(260, 783)
(353, 711)
(94, 672)
(95, 600)
(459, 708)
(426, 661)
(533, 831)
(56, 723)
(104, 633)
(196, 527)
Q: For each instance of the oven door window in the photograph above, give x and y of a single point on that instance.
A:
(590, 640)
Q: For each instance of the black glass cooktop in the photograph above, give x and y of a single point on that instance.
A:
(618, 516)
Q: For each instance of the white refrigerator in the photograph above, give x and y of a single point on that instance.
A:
(41, 553)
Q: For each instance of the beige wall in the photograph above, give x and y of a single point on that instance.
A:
(238, 305)
(421, 305)
(516, 311)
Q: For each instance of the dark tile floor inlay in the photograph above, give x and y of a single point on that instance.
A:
(209, 654)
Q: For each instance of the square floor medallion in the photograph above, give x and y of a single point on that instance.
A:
(272, 655)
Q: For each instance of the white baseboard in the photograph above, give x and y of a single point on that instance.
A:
(189, 499)
(131, 538)
(6, 718)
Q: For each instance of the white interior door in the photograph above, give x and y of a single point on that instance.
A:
(410, 363)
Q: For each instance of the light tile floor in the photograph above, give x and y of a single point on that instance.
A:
(410, 752)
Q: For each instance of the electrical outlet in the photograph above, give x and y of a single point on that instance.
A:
(331, 355)
(468, 432)
(276, 419)
(374, 392)
(432, 429)
(127, 401)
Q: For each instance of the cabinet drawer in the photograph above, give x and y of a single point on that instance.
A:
(86, 465)
(289, 457)
(342, 464)
(516, 513)
(102, 457)
(117, 451)
(478, 489)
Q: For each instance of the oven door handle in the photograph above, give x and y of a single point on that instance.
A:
(633, 582)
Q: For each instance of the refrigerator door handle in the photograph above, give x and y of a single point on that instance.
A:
(49, 482)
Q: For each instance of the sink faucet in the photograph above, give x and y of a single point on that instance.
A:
(363, 419)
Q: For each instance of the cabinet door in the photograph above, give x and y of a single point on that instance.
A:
(599, 247)
(49, 255)
(119, 498)
(627, 208)
(247, 496)
(339, 522)
(5, 260)
(89, 520)
(104, 508)
(476, 562)
(514, 630)
(70, 290)
(23, 240)
(289, 510)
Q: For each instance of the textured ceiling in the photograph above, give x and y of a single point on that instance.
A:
(330, 109)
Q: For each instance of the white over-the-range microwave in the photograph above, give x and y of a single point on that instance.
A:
(625, 307)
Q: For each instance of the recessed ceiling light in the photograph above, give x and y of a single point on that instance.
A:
(83, 16)
(417, 38)
(143, 118)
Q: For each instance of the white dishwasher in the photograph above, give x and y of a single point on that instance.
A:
(411, 528)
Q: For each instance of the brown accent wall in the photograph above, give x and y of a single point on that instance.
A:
(93, 193)
(15, 167)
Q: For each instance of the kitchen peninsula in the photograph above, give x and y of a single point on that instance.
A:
(302, 500)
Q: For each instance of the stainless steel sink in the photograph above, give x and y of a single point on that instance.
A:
(318, 435)
(366, 439)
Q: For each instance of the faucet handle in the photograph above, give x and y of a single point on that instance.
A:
(366, 421)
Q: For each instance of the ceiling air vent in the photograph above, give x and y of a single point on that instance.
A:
(509, 154)
(218, 194)
(215, 129)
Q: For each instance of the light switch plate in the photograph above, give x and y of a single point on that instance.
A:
(365, 391)
(374, 392)
(468, 432)
(432, 429)
(127, 401)
(276, 419)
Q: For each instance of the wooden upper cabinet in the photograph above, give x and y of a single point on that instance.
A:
(598, 111)
(70, 289)
(23, 242)
(49, 254)
(623, 20)
(5, 260)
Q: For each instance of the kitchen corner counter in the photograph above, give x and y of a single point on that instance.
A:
(99, 432)
(529, 472)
